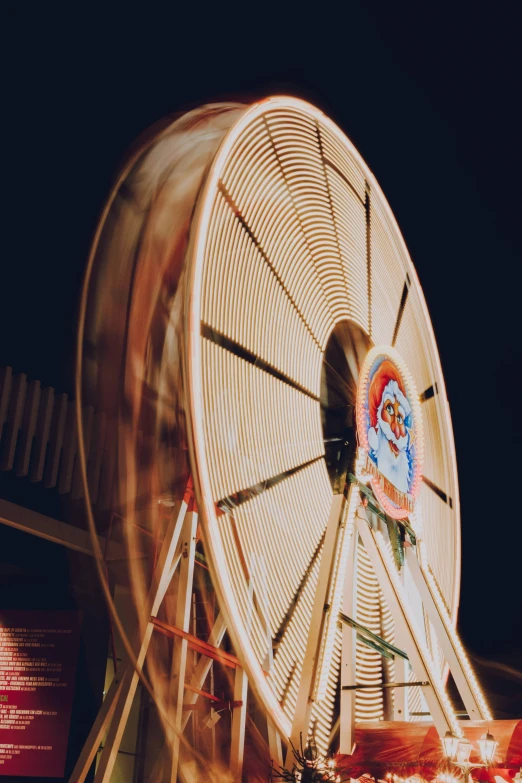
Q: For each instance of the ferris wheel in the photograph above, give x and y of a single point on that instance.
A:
(254, 321)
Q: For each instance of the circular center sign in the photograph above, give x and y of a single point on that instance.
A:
(389, 428)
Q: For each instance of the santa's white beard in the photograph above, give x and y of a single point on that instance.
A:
(394, 468)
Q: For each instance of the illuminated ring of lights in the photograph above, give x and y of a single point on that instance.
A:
(279, 255)
(413, 397)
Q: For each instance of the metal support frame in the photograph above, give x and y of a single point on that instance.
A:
(440, 619)
(274, 743)
(179, 655)
(304, 700)
(402, 671)
(61, 533)
(178, 549)
(178, 555)
(237, 744)
(198, 645)
(421, 663)
(99, 727)
(239, 704)
(400, 697)
(259, 582)
(203, 667)
(360, 686)
(373, 505)
(391, 587)
(209, 652)
(365, 635)
(348, 649)
(124, 695)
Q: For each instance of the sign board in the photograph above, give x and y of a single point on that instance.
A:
(38, 654)
(389, 428)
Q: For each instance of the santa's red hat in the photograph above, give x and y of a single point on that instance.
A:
(385, 373)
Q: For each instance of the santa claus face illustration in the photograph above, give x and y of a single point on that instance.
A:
(390, 435)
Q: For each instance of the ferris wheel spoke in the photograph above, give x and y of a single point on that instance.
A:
(297, 211)
(331, 165)
(218, 338)
(285, 622)
(332, 210)
(244, 225)
(316, 627)
(438, 491)
(428, 393)
(230, 502)
(402, 306)
(292, 671)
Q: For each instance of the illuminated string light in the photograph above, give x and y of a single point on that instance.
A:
(443, 612)
(434, 678)
(331, 643)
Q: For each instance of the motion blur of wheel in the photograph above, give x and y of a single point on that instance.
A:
(245, 267)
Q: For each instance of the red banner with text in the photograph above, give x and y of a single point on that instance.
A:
(38, 654)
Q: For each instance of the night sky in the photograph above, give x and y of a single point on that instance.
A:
(429, 94)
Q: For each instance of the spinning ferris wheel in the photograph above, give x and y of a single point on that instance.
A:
(253, 320)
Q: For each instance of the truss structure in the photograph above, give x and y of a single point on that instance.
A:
(180, 539)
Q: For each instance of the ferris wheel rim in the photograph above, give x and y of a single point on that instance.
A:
(193, 385)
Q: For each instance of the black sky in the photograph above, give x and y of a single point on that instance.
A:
(430, 94)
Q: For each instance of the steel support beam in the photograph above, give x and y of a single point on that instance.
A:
(198, 645)
(159, 586)
(99, 727)
(203, 667)
(179, 655)
(365, 635)
(441, 621)
(349, 645)
(393, 592)
(54, 531)
(274, 743)
(304, 702)
(260, 586)
(237, 740)
(209, 652)
(360, 687)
